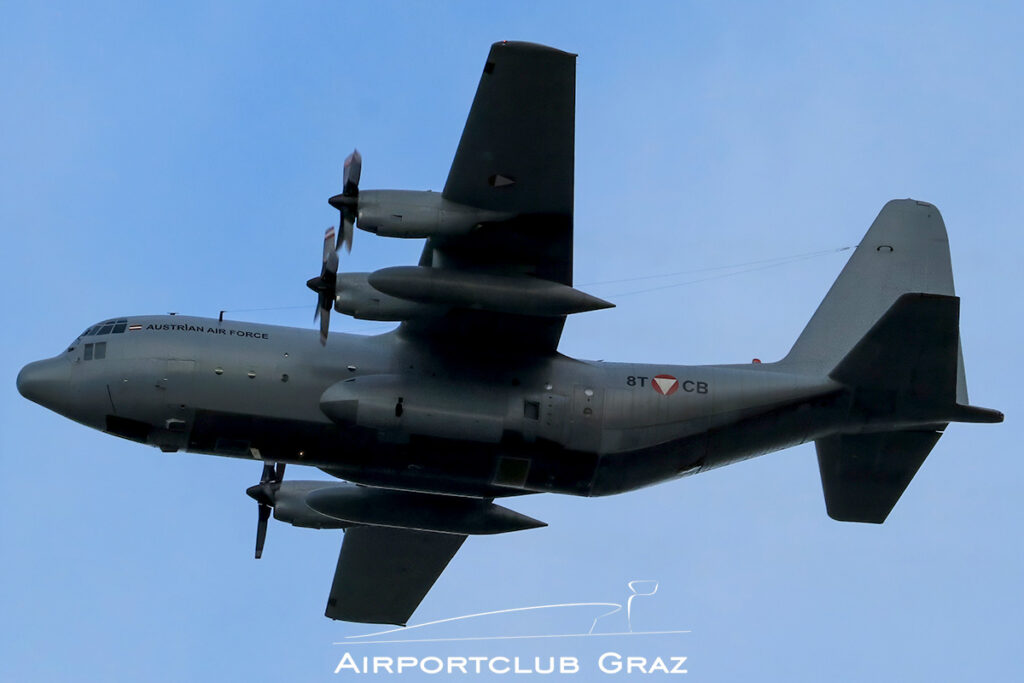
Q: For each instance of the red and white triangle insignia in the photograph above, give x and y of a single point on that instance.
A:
(666, 385)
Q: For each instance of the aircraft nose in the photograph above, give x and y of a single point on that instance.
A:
(45, 382)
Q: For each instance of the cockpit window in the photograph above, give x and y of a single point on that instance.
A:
(106, 327)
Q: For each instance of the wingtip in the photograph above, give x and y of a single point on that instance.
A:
(525, 45)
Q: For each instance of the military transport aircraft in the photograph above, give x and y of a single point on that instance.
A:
(468, 400)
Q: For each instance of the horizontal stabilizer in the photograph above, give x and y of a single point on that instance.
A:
(906, 370)
(383, 574)
(911, 351)
(863, 475)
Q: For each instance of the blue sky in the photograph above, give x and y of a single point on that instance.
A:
(179, 157)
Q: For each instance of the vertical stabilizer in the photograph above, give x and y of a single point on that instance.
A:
(904, 251)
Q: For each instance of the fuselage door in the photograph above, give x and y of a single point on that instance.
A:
(552, 417)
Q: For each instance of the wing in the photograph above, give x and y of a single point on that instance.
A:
(515, 156)
(383, 573)
(516, 152)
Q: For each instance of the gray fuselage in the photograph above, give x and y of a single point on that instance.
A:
(472, 423)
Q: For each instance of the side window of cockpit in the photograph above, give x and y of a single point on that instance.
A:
(97, 351)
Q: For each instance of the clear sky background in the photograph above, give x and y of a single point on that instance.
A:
(178, 157)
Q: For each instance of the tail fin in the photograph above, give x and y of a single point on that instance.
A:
(905, 251)
(888, 330)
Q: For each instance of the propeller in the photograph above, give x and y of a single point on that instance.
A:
(347, 203)
(325, 285)
(264, 494)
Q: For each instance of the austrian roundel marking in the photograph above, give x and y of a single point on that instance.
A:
(666, 385)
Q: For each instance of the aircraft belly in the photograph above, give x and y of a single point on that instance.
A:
(425, 464)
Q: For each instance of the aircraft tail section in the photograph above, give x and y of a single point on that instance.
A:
(888, 331)
(912, 349)
(907, 361)
(902, 378)
(905, 250)
(904, 372)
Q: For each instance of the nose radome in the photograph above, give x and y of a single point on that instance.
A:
(45, 381)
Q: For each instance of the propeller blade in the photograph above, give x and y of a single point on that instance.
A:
(328, 243)
(350, 190)
(347, 228)
(263, 493)
(329, 271)
(325, 285)
(261, 529)
(353, 169)
(325, 324)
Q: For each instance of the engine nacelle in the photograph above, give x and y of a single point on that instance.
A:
(290, 504)
(412, 213)
(406, 405)
(355, 297)
(338, 505)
